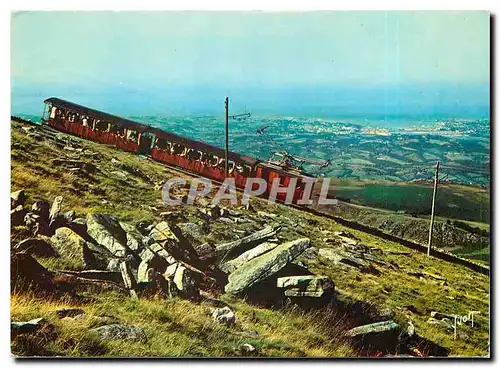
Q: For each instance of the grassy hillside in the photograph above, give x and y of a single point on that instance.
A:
(461, 202)
(178, 327)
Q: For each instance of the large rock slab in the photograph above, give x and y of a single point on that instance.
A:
(234, 264)
(308, 286)
(266, 265)
(107, 231)
(72, 246)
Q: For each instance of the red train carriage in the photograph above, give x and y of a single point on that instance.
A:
(197, 157)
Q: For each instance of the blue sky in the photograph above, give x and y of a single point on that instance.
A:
(271, 60)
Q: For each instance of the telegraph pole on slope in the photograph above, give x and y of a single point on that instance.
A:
(433, 208)
(226, 167)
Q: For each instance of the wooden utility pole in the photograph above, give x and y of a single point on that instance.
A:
(433, 208)
(226, 167)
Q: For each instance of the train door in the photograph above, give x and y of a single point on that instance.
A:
(145, 143)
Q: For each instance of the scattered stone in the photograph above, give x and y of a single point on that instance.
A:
(103, 320)
(212, 212)
(38, 247)
(386, 314)
(106, 230)
(308, 286)
(260, 268)
(223, 315)
(373, 328)
(120, 332)
(247, 349)
(31, 326)
(17, 216)
(171, 241)
(17, 198)
(338, 255)
(87, 166)
(69, 312)
(97, 275)
(267, 214)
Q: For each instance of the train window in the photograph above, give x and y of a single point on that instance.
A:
(121, 132)
(179, 149)
(221, 164)
(101, 126)
(162, 144)
(231, 166)
(193, 154)
(113, 129)
(132, 135)
(215, 161)
(53, 112)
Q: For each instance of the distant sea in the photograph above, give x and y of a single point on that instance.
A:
(310, 132)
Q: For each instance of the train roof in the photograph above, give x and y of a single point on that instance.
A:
(54, 101)
(162, 134)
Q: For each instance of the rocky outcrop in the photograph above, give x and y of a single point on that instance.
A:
(260, 268)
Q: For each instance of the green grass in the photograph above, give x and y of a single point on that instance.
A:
(179, 328)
